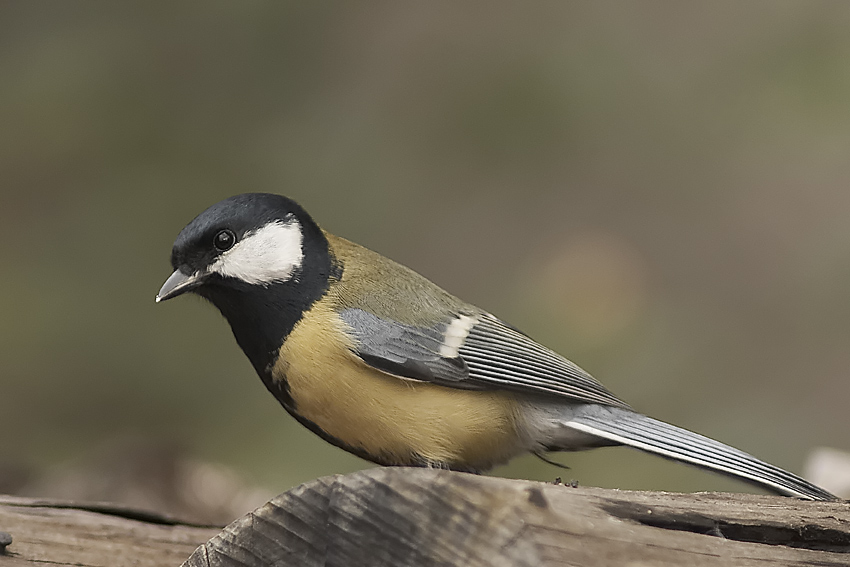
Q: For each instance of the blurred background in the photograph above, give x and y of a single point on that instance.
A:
(658, 190)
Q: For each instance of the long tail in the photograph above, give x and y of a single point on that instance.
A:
(636, 430)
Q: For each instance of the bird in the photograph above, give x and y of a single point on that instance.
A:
(378, 360)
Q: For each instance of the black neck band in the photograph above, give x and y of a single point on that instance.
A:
(261, 317)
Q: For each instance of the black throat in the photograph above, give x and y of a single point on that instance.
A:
(261, 317)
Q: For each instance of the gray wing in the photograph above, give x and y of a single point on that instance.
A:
(471, 351)
(405, 350)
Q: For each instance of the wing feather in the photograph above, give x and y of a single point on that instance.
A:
(492, 356)
(497, 353)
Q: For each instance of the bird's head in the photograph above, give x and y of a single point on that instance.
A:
(245, 241)
(261, 260)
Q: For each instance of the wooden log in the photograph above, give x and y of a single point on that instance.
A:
(420, 517)
(59, 533)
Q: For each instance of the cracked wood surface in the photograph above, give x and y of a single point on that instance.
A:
(418, 517)
(59, 533)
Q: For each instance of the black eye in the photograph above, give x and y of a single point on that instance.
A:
(224, 240)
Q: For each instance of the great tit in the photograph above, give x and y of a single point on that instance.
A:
(381, 362)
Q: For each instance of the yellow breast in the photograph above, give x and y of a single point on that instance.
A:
(396, 421)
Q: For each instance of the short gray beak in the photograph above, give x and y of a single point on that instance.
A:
(178, 283)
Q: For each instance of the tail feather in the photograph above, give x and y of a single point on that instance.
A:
(653, 436)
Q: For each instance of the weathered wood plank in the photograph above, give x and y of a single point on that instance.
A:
(62, 533)
(418, 517)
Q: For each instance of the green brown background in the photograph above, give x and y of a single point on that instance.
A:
(658, 190)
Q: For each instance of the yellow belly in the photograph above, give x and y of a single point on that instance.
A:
(397, 421)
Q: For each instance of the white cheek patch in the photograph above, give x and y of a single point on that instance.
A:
(456, 333)
(268, 255)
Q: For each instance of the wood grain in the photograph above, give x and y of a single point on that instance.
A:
(58, 533)
(419, 517)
